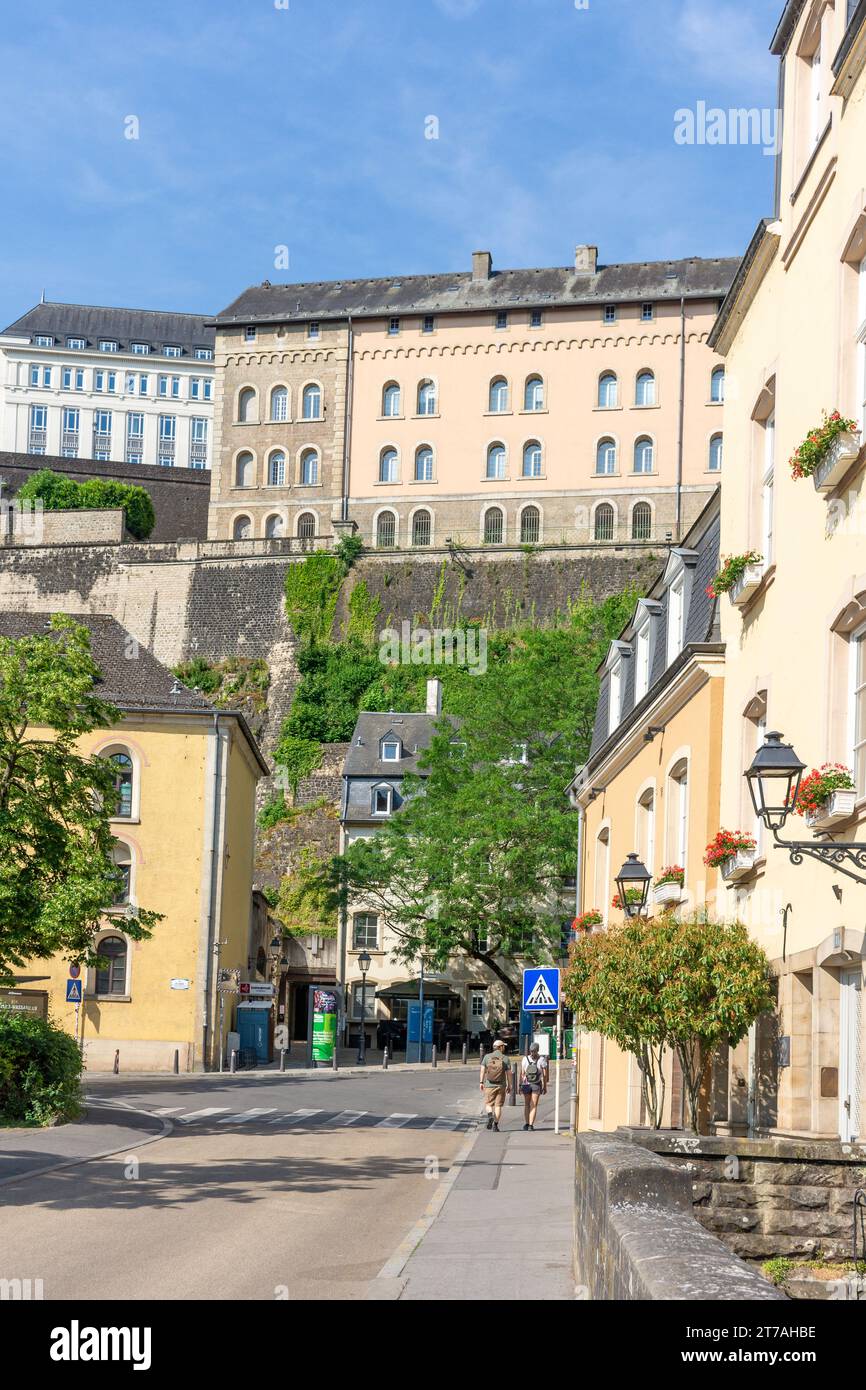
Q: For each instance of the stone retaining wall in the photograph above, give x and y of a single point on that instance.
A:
(635, 1233)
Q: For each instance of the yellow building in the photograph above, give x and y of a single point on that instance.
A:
(651, 786)
(793, 333)
(186, 780)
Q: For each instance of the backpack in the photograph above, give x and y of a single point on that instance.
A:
(495, 1069)
(532, 1074)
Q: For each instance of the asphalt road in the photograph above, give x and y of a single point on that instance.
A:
(262, 1188)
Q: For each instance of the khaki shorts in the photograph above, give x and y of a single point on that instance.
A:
(494, 1093)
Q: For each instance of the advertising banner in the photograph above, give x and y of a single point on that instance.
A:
(324, 1025)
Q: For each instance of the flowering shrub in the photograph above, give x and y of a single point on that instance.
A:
(813, 450)
(819, 786)
(587, 921)
(672, 874)
(632, 895)
(727, 845)
(732, 570)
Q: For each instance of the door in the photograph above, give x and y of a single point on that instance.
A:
(850, 1054)
(253, 1027)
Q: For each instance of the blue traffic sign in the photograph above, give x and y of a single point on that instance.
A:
(73, 991)
(541, 991)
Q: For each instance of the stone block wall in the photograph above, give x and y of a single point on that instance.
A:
(83, 527)
(635, 1233)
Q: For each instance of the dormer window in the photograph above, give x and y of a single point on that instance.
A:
(643, 647)
(614, 704)
(383, 798)
(678, 579)
(107, 345)
(140, 349)
(391, 750)
(43, 340)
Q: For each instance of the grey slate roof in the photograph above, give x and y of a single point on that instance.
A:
(139, 682)
(152, 326)
(702, 627)
(363, 768)
(457, 292)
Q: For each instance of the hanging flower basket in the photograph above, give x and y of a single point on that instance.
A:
(827, 796)
(733, 853)
(827, 452)
(587, 922)
(668, 885)
(739, 577)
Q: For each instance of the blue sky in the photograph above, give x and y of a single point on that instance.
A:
(304, 127)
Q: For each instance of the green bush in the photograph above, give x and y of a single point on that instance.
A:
(40, 1071)
(60, 494)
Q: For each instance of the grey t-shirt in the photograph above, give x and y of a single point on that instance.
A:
(485, 1062)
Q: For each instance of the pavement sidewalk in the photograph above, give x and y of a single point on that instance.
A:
(505, 1227)
(103, 1130)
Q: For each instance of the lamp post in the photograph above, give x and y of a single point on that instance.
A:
(774, 783)
(633, 877)
(364, 963)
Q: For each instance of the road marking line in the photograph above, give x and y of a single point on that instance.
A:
(293, 1116)
(203, 1114)
(245, 1116)
(168, 1110)
(445, 1122)
(349, 1117)
(395, 1121)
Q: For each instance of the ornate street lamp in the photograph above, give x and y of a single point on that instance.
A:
(365, 960)
(774, 784)
(774, 781)
(633, 878)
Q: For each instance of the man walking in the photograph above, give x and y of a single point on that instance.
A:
(533, 1083)
(495, 1068)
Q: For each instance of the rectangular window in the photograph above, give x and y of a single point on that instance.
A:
(429, 324)
(250, 333)
(77, 343)
(172, 350)
(393, 327)
(107, 345)
(163, 386)
(858, 709)
(365, 932)
(134, 436)
(614, 702)
(34, 375)
(175, 388)
(610, 313)
(130, 383)
(46, 376)
(477, 1001)
(768, 491)
(99, 381)
(382, 801)
(861, 350)
(647, 312)
(198, 442)
(195, 388)
(140, 349)
(203, 354)
(102, 434)
(66, 379)
(43, 340)
(536, 318)
(313, 331)
(367, 994)
(642, 663)
(79, 378)
(502, 319)
(676, 615)
(112, 381)
(143, 385)
(38, 429)
(69, 437)
(819, 119)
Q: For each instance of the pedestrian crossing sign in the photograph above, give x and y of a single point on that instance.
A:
(541, 991)
(73, 991)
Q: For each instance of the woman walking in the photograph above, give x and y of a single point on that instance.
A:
(533, 1083)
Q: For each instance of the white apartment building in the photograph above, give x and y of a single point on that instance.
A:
(130, 385)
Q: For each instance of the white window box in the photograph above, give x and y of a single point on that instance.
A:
(667, 893)
(838, 807)
(739, 865)
(747, 584)
(838, 460)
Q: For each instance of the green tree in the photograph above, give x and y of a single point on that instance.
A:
(668, 983)
(56, 868)
(59, 493)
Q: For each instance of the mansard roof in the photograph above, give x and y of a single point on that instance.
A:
(156, 327)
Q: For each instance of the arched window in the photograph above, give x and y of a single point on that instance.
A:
(388, 466)
(275, 527)
(608, 391)
(642, 522)
(533, 394)
(498, 395)
(312, 402)
(422, 528)
(243, 528)
(277, 469)
(716, 448)
(717, 385)
(306, 526)
(123, 784)
(645, 389)
(605, 457)
(111, 974)
(391, 400)
(245, 470)
(604, 522)
(494, 526)
(424, 464)
(530, 526)
(309, 468)
(496, 461)
(122, 858)
(427, 403)
(386, 530)
(246, 405)
(279, 403)
(532, 459)
(643, 455)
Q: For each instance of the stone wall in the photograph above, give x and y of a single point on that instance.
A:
(636, 1237)
(180, 496)
(767, 1198)
(103, 526)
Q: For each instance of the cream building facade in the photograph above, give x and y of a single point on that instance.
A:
(651, 787)
(569, 405)
(793, 336)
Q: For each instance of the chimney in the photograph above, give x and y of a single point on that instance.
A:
(482, 265)
(585, 260)
(434, 697)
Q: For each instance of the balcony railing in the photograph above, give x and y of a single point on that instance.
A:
(198, 454)
(101, 443)
(37, 441)
(69, 441)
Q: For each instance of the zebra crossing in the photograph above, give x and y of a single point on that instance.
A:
(268, 1117)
